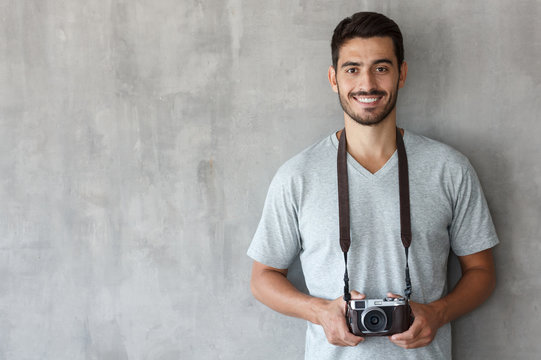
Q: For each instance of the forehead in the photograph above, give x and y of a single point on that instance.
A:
(366, 49)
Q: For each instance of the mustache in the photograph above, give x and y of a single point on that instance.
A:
(369, 93)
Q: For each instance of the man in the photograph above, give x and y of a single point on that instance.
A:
(300, 216)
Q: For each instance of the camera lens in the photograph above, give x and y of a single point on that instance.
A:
(374, 319)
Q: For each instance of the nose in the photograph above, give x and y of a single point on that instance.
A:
(367, 81)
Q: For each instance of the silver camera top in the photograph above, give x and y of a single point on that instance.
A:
(367, 303)
(388, 298)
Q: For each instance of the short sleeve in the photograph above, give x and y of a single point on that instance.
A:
(472, 229)
(276, 241)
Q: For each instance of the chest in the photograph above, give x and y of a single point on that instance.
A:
(375, 213)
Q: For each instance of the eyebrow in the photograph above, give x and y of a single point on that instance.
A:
(378, 61)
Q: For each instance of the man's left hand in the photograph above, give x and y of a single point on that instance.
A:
(424, 328)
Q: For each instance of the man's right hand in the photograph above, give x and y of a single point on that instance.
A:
(332, 317)
(271, 287)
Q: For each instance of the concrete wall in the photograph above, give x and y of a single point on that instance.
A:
(138, 138)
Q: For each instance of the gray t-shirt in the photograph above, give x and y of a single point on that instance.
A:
(300, 218)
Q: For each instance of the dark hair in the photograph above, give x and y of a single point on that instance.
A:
(367, 25)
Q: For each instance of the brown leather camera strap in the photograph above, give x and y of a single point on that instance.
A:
(343, 205)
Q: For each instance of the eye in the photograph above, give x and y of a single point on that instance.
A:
(381, 69)
(351, 71)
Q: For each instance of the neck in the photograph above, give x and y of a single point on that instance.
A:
(371, 146)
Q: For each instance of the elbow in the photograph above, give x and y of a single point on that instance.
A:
(255, 284)
(489, 281)
(492, 282)
(263, 279)
(491, 277)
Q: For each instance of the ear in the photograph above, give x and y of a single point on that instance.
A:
(332, 79)
(403, 74)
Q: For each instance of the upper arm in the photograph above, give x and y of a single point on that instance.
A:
(258, 269)
(482, 260)
(478, 268)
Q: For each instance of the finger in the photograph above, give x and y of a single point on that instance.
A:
(411, 344)
(390, 294)
(415, 343)
(348, 338)
(353, 340)
(410, 334)
(342, 337)
(355, 295)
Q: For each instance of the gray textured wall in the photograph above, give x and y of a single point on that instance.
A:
(138, 138)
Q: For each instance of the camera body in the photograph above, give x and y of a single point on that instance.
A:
(378, 317)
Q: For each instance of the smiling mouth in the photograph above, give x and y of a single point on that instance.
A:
(367, 100)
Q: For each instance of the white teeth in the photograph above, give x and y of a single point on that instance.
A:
(366, 100)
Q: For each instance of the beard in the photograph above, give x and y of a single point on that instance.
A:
(374, 117)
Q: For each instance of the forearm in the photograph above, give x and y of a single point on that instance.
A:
(473, 288)
(273, 289)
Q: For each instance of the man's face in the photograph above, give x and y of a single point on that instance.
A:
(367, 79)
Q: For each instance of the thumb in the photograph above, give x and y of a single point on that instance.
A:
(355, 295)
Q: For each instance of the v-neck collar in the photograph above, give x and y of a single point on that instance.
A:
(391, 163)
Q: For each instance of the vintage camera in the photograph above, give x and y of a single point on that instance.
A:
(378, 317)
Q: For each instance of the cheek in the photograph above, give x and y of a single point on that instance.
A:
(346, 86)
(387, 83)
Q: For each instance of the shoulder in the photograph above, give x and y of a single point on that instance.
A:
(431, 153)
(438, 165)
(318, 157)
